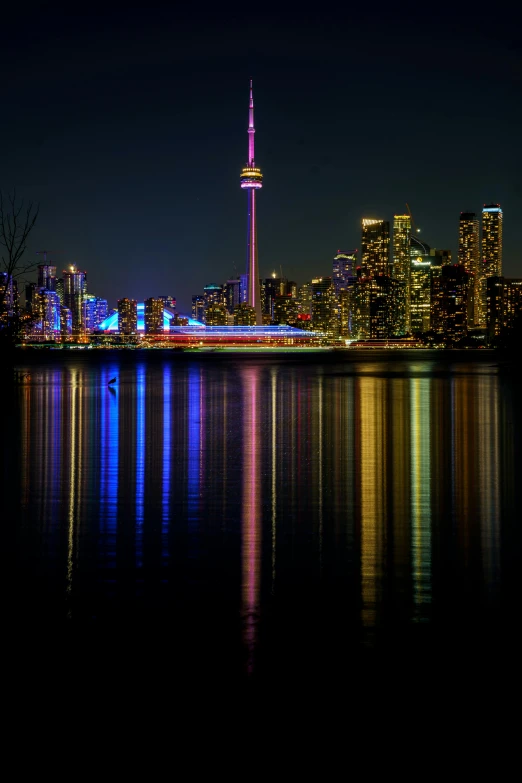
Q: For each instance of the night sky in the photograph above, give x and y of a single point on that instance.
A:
(128, 126)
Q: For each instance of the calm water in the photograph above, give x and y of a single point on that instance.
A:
(268, 515)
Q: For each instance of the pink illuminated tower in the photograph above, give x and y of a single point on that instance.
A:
(252, 180)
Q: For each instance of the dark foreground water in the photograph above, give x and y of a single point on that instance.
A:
(267, 516)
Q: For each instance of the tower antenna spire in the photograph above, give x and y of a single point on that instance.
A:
(251, 129)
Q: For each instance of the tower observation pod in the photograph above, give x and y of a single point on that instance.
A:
(251, 181)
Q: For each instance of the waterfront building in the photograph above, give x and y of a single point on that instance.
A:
(74, 291)
(252, 181)
(244, 315)
(420, 290)
(9, 298)
(66, 324)
(198, 308)
(95, 310)
(469, 257)
(344, 269)
(375, 247)
(304, 300)
(285, 309)
(491, 255)
(402, 261)
(216, 315)
(324, 307)
(169, 302)
(504, 305)
(375, 306)
(232, 294)
(127, 316)
(154, 319)
(450, 302)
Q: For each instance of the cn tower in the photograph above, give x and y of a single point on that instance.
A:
(252, 180)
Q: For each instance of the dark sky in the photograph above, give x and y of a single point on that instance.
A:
(128, 125)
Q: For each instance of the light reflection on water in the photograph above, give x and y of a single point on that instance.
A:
(297, 499)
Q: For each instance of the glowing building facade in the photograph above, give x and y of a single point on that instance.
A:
(491, 261)
(469, 257)
(74, 290)
(504, 305)
(251, 181)
(127, 316)
(401, 263)
(420, 290)
(344, 270)
(154, 321)
(375, 246)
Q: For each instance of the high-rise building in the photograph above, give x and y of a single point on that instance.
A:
(469, 257)
(504, 305)
(285, 309)
(95, 310)
(74, 290)
(450, 302)
(154, 319)
(324, 307)
(344, 269)
(169, 302)
(47, 277)
(198, 308)
(402, 261)
(304, 300)
(216, 315)
(491, 256)
(420, 290)
(375, 247)
(232, 294)
(376, 304)
(244, 315)
(271, 288)
(127, 316)
(251, 181)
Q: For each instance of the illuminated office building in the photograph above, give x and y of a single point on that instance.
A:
(469, 257)
(324, 307)
(504, 305)
(66, 323)
(450, 302)
(420, 290)
(402, 262)
(491, 256)
(169, 302)
(198, 308)
(9, 298)
(127, 316)
(95, 310)
(154, 319)
(74, 290)
(375, 247)
(232, 294)
(285, 309)
(216, 315)
(375, 306)
(344, 269)
(47, 277)
(244, 315)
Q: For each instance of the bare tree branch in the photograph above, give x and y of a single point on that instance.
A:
(16, 223)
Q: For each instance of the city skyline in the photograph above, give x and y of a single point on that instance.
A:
(135, 165)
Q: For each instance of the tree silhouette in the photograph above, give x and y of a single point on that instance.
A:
(17, 220)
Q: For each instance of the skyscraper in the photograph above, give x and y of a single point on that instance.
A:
(469, 257)
(252, 180)
(375, 246)
(127, 316)
(74, 290)
(401, 261)
(491, 260)
(344, 266)
(154, 319)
